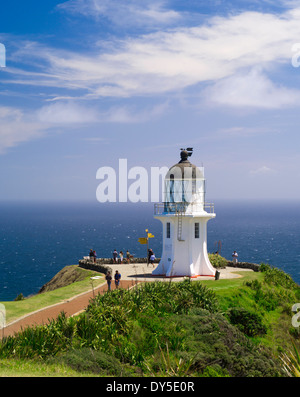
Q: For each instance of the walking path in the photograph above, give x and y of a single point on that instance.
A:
(70, 306)
(131, 275)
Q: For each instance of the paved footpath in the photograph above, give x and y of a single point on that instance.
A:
(131, 275)
(70, 306)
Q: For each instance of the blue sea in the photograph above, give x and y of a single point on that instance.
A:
(39, 239)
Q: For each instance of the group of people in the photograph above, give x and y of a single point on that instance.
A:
(121, 256)
(117, 278)
(151, 256)
(93, 255)
(118, 257)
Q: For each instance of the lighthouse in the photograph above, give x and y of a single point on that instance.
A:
(184, 215)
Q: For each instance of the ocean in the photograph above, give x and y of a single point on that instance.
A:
(39, 239)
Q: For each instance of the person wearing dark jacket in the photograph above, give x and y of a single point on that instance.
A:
(117, 279)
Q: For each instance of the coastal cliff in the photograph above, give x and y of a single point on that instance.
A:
(66, 276)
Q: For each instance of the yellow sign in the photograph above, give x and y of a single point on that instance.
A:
(143, 240)
(150, 235)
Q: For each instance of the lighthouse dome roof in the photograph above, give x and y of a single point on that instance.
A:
(184, 169)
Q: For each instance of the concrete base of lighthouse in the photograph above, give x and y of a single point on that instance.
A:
(185, 253)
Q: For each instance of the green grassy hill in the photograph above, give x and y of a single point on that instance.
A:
(70, 281)
(237, 327)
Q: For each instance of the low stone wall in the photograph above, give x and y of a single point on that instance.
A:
(102, 264)
(109, 261)
(244, 265)
(97, 267)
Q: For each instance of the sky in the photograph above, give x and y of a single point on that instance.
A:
(89, 82)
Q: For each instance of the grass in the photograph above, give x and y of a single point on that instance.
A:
(230, 327)
(32, 368)
(270, 294)
(228, 284)
(17, 309)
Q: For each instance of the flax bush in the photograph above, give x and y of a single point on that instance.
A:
(111, 319)
(178, 323)
(160, 298)
(40, 341)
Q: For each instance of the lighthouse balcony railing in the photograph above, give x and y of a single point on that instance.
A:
(182, 208)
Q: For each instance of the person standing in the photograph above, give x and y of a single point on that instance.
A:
(91, 255)
(108, 280)
(117, 279)
(128, 256)
(150, 252)
(152, 259)
(115, 255)
(121, 256)
(235, 257)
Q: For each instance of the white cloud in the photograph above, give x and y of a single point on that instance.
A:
(131, 12)
(230, 56)
(126, 114)
(221, 51)
(16, 127)
(70, 113)
(246, 131)
(264, 170)
(66, 113)
(254, 90)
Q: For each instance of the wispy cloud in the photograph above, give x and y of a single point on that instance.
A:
(264, 170)
(226, 60)
(226, 51)
(69, 113)
(245, 131)
(17, 127)
(148, 13)
(253, 90)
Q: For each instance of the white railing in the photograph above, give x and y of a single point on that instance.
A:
(182, 208)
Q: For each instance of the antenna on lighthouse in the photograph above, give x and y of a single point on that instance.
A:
(189, 151)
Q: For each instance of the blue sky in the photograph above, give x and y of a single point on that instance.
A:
(88, 82)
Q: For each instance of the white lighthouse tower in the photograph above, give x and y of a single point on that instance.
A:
(184, 216)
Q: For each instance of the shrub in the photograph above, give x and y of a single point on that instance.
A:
(214, 372)
(173, 327)
(40, 341)
(20, 297)
(89, 360)
(291, 362)
(273, 275)
(217, 261)
(160, 298)
(215, 343)
(249, 323)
